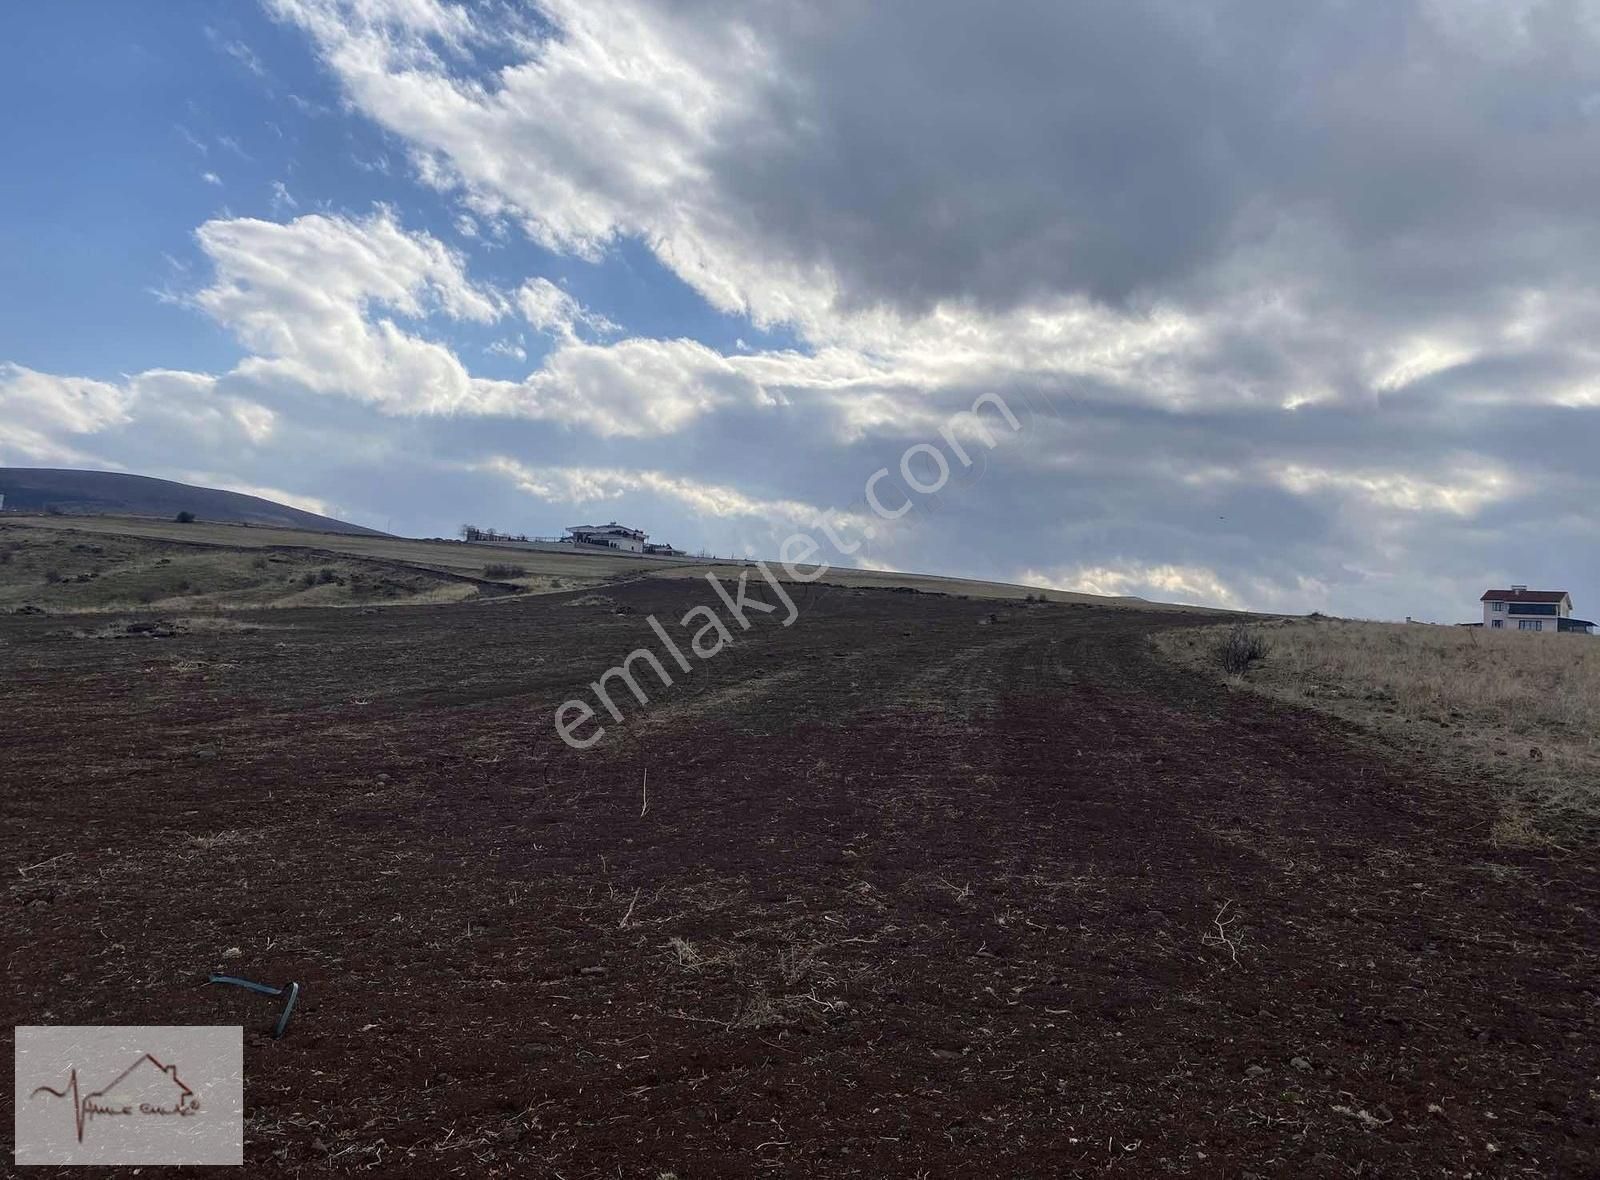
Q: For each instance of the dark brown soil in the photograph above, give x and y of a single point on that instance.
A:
(912, 896)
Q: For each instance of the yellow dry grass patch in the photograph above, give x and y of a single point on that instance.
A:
(1526, 706)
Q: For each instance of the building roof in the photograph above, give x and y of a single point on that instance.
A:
(613, 527)
(1524, 596)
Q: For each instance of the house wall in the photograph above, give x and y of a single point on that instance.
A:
(627, 544)
(1508, 619)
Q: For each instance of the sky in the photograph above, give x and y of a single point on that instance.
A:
(1294, 306)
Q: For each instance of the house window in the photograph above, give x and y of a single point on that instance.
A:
(1498, 623)
(1530, 625)
(1497, 605)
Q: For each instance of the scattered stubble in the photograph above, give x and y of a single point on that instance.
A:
(1526, 705)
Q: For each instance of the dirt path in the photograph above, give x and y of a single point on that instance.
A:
(911, 896)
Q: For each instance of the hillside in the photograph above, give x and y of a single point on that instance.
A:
(530, 569)
(93, 493)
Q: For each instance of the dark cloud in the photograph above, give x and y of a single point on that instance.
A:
(957, 153)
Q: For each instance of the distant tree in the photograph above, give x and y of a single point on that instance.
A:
(184, 517)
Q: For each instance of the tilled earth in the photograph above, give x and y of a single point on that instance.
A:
(894, 891)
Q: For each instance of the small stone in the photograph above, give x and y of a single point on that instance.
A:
(596, 970)
(1301, 1064)
(1254, 1071)
(233, 952)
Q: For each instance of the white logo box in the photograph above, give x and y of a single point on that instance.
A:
(130, 1094)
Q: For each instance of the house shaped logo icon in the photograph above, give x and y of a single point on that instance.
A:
(146, 1088)
(129, 1094)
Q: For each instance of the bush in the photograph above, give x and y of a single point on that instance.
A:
(1240, 648)
(184, 517)
(504, 570)
(327, 574)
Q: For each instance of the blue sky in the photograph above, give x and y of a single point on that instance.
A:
(189, 110)
(1309, 292)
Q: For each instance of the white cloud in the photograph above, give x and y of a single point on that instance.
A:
(595, 485)
(215, 479)
(38, 409)
(550, 309)
(1474, 485)
(1161, 583)
(307, 299)
(510, 349)
(610, 122)
(634, 388)
(240, 52)
(258, 423)
(282, 199)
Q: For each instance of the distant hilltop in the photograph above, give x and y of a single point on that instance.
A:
(113, 493)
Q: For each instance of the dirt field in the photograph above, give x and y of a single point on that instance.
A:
(908, 895)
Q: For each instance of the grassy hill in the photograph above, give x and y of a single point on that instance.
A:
(97, 493)
(57, 542)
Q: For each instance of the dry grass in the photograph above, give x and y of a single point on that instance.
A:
(80, 573)
(592, 600)
(547, 570)
(439, 554)
(1526, 705)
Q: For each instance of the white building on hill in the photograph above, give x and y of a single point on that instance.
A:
(1521, 609)
(610, 536)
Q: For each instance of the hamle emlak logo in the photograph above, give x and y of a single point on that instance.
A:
(117, 1094)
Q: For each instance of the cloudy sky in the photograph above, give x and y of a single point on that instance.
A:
(1296, 303)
